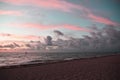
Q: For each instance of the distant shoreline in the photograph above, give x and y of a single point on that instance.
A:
(54, 51)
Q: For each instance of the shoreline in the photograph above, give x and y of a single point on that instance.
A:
(47, 62)
(105, 67)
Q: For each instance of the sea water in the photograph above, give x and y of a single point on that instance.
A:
(20, 58)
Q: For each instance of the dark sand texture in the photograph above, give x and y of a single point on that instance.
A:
(103, 68)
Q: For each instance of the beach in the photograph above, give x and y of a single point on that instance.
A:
(97, 68)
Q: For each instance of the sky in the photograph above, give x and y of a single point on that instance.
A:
(44, 20)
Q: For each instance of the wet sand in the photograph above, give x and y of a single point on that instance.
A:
(102, 68)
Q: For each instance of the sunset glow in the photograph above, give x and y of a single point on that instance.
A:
(37, 24)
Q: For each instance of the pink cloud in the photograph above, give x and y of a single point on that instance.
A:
(10, 12)
(47, 27)
(102, 19)
(76, 28)
(6, 36)
(51, 4)
(33, 25)
(14, 1)
(62, 5)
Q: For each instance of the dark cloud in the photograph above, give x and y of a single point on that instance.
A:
(11, 45)
(34, 45)
(48, 40)
(106, 39)
(99, 40)
(1, 46)
(28, 45)
(16, 45)
(59, 33)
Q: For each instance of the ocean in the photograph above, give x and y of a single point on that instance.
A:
(21, 58)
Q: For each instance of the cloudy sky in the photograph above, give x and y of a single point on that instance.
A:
(25, 20)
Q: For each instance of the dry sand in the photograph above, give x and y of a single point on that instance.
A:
(103, 68)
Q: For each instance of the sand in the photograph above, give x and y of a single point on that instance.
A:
(102, 68)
